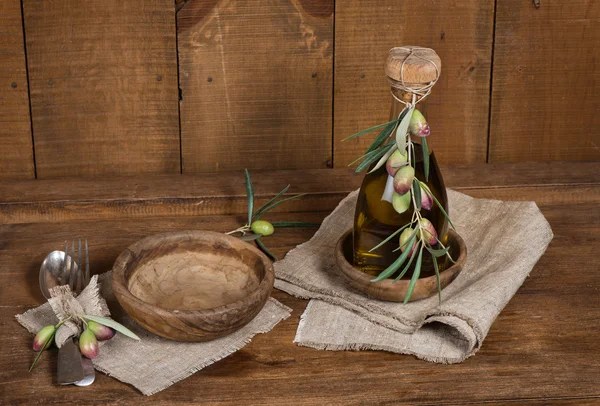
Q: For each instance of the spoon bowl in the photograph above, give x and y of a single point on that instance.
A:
(54, 273)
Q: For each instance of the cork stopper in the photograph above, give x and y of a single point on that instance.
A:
(413, 65)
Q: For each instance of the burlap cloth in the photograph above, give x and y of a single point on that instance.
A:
(154, 363)
(504, 241)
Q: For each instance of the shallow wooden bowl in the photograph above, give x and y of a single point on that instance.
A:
(395, 292)
(192, 285)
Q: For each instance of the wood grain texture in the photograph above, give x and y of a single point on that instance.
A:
(542, 349)
(457, 110)
(16, 158)
(103, 77)
(217, 285)
(546, 82)
(199, 195)
(256, 83)
(395, 291)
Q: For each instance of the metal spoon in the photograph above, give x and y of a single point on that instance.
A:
(53, 272)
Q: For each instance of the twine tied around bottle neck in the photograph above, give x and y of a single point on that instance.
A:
(419, 91)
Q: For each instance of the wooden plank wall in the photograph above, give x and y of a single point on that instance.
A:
(546, 81)
(103, 80)
(256, 84)
(460, 32)
(16, 161)
(162, 86)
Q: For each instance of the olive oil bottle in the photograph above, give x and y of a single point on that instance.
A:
(375, 217)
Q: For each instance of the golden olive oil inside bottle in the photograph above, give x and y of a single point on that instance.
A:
(375, 219)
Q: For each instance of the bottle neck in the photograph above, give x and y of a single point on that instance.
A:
(397, 106)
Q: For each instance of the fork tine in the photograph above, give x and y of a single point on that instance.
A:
(72, 267)
(87, 264)
(64, 271)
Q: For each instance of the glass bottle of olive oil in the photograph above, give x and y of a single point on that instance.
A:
(375, 218)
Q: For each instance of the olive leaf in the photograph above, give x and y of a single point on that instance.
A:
(412, 257)
(447, 253)
(437, 252)
(265, 206)
(417, 194)
(367, 155)
(45, 347)
(113, 324)
(425, 158)
(389, 271)
(272, 206)
(403, 129)
(382, 136)
(415, 276)
(368, 130)
(378, 153)
(391, 236)
(265, 249)
(250, 195)
(384, 158)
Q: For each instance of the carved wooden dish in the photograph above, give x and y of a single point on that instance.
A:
(395, 292)
(192, 285)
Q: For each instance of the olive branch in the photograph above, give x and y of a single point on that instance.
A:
(398, 154)
(255, 228)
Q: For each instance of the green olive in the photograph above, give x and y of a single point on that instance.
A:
(262, 227)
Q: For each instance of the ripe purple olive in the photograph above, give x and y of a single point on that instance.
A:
(101, 332)
(404, 179)
(401, 203)
(43, 338)
(404, 238)
(426, 199)
(262, 227)
(394, 162)
(429, 233)
(88, 345)
(418, 126)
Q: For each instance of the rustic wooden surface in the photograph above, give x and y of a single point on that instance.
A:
(460, 32)
(256, 84)
(103, 79)
(543, 349)
(545, 83)
(192, 285)
(16, 161)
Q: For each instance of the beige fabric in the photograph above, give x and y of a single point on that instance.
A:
(504, 241)
(154, 363)
(65, 305)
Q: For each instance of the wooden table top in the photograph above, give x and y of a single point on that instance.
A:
(543, 348)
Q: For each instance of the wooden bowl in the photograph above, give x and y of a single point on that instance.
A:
(395, 292)
(192, 285)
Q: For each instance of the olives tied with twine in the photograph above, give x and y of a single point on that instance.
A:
(401, 216)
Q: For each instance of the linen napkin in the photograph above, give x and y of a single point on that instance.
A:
(155, 363)
(504, 241)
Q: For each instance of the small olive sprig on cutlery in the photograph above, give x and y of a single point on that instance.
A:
(70, 272)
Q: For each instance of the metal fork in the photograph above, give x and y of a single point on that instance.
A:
(78, 279)
(68, 367)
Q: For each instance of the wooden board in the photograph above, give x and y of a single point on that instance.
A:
(546, 81)
(16, 158)
(457, 110)
(542, 349)
(256, 84)
(224, 193)
(103, 77)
